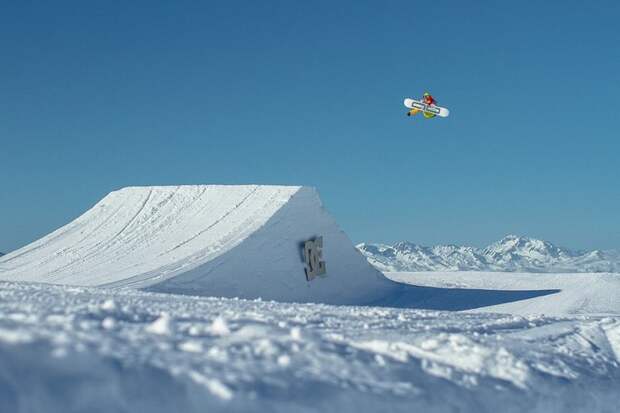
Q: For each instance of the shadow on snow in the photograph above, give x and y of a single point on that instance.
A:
(455, 299)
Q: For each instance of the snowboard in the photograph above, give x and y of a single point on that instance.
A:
(432, 109)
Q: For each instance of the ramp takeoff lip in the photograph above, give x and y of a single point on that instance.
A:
(217, 240)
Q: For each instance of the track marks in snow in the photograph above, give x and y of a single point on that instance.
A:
(137, 214)
(216, 222)
(145, 233)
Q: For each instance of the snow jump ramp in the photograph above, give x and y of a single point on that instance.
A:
(231, 241)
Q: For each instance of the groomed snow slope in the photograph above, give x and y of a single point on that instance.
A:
(514, 293)
(232, 241)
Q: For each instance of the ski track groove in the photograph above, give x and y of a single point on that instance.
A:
(65, 233)
(95, 247)
(102, 246)
(219, 220)
(136, 215)
(156, 229)
(113, 246)
(195, 259)
(45, 241)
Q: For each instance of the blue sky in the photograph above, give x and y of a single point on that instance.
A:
(97, 96)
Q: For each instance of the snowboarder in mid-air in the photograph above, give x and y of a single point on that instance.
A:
(427, 99)
(427, 105)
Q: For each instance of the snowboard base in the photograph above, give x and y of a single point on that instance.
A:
(431, 109)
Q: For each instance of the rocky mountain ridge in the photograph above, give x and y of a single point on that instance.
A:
(511, 253)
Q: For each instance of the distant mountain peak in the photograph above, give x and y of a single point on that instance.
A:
(511, 253)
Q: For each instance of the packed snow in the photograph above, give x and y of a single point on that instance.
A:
(515, 293)
(80, 349)
(199, 239)
(88, 322)
(511, 253)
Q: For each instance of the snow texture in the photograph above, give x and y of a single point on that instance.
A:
(515, 293)
(512, 253)
(231, 241)
(78, 349)
(126, 347)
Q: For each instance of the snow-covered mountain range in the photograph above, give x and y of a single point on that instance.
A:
(511, 253)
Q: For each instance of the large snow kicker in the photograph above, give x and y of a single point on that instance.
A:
(234, 241)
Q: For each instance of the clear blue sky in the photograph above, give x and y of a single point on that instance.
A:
(95, 96)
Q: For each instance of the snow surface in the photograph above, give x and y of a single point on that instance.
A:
(234, 241)
(511, 253)
(78, 349)
(515, 293)
(125, 347)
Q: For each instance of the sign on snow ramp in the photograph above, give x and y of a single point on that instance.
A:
(233, 241)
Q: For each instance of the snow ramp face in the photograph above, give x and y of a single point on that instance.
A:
(232, 241)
